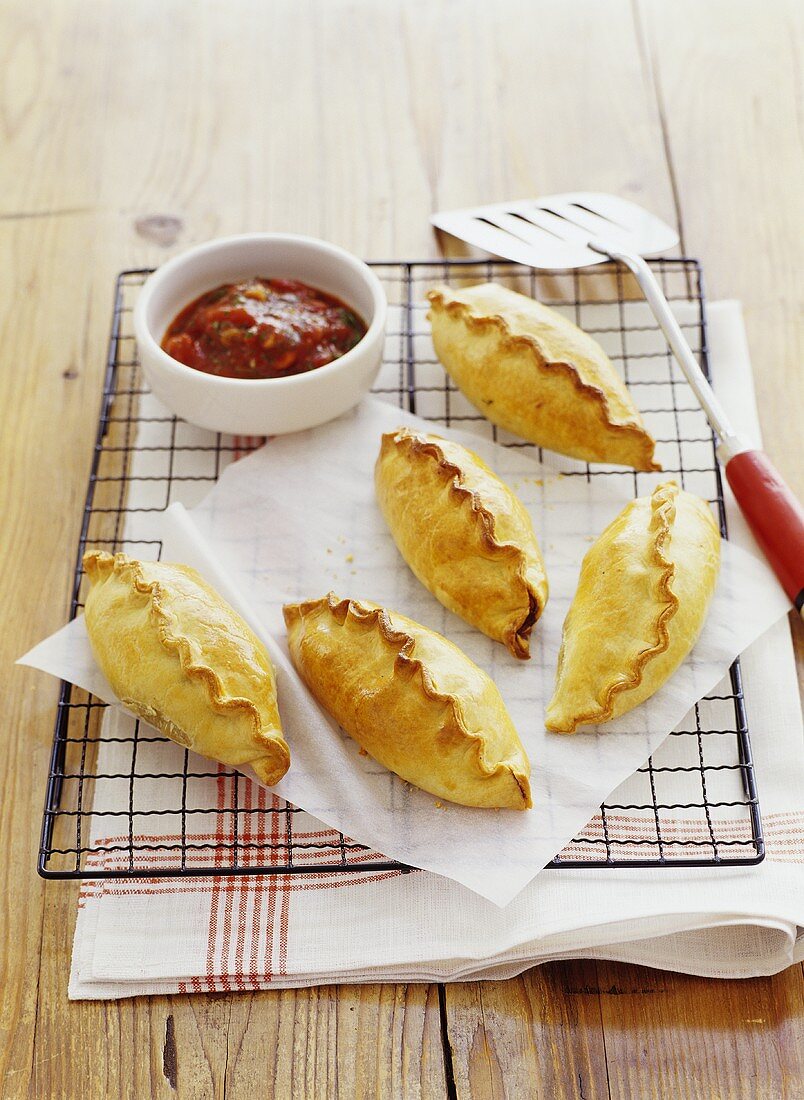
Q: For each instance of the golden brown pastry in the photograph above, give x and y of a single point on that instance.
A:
(642, 598)
(181, 659)
(464, 534)
(410, 699)
(536, 374)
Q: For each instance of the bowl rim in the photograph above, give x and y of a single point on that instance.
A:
(189, 256)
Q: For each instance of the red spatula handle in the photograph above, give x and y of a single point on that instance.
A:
(774, 515)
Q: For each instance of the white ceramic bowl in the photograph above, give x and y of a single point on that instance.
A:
(260, 406)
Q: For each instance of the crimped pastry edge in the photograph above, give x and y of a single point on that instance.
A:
(517, 639)
(663, 514)
(519, 341)
(409, 667)
(98, 564)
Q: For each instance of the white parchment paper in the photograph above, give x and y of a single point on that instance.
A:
(297, 518)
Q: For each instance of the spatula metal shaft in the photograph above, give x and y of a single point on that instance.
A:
(729, 443)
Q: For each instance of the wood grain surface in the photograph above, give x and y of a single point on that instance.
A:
(129, 131)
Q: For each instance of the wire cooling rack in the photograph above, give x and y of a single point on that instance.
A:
(693, 803)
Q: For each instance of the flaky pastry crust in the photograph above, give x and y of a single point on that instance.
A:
(411, 699)
(464, 534)
(533, 372)
(181, 659)
(642, 598)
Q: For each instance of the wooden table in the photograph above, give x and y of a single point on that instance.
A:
(131, 130)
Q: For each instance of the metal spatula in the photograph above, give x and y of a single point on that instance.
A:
(581, 228)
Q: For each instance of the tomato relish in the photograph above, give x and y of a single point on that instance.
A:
(262, 328)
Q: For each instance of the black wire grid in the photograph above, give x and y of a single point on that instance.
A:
(693, 804)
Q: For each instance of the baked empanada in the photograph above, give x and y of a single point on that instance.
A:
(464, 534)
(642, 598)
(410, 699)
(181, 659)
(532, 371)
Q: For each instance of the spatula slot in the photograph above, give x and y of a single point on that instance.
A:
(587, 220)
(597, 214)
(529, 222)
(566, 231)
